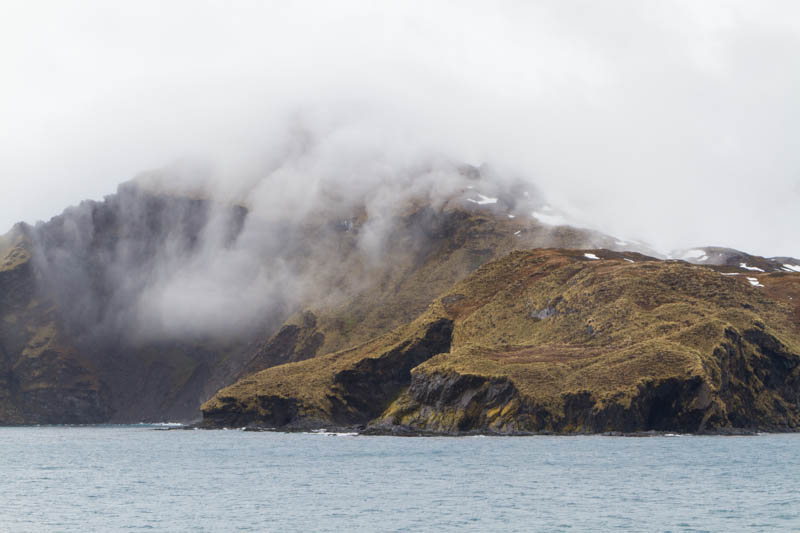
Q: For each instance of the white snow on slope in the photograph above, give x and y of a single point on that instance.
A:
(744, 266)
(629, 260)
(754, 282)
(791, 268)
(697, 255)
(550, 220)
(590, 256)
(483, 200)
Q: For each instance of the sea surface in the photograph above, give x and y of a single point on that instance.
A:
(130, 478)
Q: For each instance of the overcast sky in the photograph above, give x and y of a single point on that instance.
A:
(673, 122)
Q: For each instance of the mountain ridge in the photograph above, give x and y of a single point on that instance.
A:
(77, 292)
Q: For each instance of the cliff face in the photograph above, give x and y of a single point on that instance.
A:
(43, 377)
(63, 348)
(559, 341)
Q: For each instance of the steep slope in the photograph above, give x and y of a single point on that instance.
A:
(429, 252)
(67, 350)
(553, 340)
(43, 377)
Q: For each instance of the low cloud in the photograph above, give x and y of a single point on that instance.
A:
(675, 123)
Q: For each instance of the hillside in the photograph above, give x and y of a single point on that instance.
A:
(139, 307)
(556, 341)
(66, 356)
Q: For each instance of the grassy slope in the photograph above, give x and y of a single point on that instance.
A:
(556, 325)
(422, 260)
(617, 327)
(315, 390)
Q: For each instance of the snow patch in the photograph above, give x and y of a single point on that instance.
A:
(550, 220)
(697, 255)
(483, 200)
(511, 216)
(791, 268)
(517, 232)
(729, 273)
(754, 282)
(629, 260)
(744, 266)
(591, 256)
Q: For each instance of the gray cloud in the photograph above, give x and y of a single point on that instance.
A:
(672, 122)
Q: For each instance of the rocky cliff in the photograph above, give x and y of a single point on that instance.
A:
(43, 377)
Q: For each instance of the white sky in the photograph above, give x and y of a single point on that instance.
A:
(673, 122)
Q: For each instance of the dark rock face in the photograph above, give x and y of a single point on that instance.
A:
(757, 387)
(43, 379)
(355, 396)
(293, 342)
(751, 364)
(66, 287)
(93, 260)
(363, 392)
(272, 412)
(53, 388)
(454, 404)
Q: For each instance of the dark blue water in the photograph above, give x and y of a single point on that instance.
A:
(132, 478)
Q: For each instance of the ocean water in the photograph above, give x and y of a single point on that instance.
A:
(130, 478)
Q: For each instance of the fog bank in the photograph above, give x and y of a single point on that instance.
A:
(671, 122)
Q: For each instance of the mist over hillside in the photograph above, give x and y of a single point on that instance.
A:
(266, 183)
(672, 123)
(169, 256)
